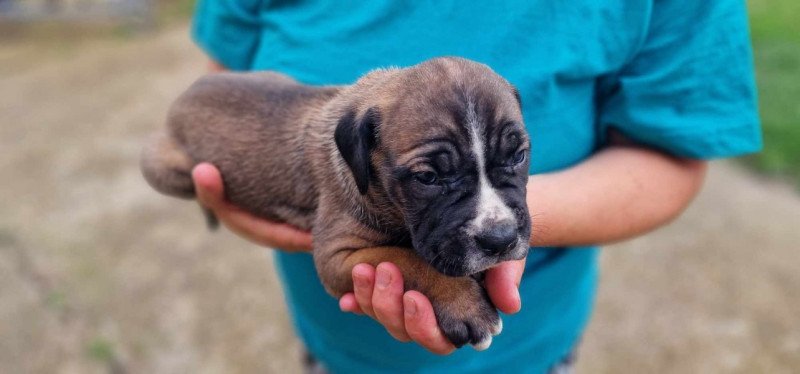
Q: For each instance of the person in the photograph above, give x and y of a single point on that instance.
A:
(624, 101)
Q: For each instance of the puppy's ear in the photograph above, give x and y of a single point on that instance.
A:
(355, 139)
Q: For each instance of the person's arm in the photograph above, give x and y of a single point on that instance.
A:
(618, 193)
(216, 67)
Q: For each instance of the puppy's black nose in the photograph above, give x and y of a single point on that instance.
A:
(498, 238)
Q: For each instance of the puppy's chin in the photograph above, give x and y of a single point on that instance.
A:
(481, 262)
(471, 260)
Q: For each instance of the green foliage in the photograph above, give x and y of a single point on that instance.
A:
(775, 26)
(175, 9)
(101, 350)
(56, 300)
(774, 19)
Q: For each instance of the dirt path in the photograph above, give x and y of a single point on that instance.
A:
(716, 291)
(98, 273)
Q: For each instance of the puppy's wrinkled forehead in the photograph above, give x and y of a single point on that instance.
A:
(449, 99)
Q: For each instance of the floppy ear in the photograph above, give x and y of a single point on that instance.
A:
(355, 139)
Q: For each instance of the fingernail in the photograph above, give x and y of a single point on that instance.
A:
(517, 297)
(361, 280)
(383, 278)
(410, 306)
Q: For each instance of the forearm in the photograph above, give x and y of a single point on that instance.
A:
(617, 194)
(215, 67)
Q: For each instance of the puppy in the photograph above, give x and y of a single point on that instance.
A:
(425, 167)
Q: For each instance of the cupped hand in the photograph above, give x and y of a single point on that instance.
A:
(378, 292)
(211, 194)
(408, 315)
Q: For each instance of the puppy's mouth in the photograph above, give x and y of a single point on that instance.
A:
(471, 259)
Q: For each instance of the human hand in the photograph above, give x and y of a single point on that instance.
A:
(210, 193)
(408, 315)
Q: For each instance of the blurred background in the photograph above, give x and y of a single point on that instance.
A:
(98, 273)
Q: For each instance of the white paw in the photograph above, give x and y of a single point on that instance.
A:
(483, 344)
(498, 328)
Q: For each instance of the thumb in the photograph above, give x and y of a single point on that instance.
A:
(502, 284)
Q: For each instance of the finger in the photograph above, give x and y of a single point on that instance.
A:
(348, 303)
(420, 322)
(210, 193)
(208, 183)
(387, 300)
(363, 283)
(265, 232)
(502, 284)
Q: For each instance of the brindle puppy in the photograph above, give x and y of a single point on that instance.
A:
(424, 167)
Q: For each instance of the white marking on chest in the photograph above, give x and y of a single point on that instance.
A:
(491, 209)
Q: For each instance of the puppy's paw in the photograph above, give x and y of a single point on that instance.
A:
(468, 316)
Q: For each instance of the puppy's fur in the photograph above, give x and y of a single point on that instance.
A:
(424, 167)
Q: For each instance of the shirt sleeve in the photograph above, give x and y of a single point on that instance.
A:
(228, 30)
(690, 88)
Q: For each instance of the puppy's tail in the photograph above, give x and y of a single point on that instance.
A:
(168, 169)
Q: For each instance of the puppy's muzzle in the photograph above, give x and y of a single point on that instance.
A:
(498, 239)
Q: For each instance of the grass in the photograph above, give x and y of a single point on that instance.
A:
(100, 350)
(165, 13)
(775, 26)
(170, 10)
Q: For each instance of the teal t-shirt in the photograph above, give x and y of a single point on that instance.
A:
(673, 75)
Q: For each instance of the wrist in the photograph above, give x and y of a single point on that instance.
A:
(544, 195)
(538, 209)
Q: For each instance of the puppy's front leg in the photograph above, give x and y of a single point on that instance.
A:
(463, 309)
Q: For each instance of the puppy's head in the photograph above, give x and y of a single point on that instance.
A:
(444, 144)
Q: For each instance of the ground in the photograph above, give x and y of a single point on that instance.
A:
(99, 273)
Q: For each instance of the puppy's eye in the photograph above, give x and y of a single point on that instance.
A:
(426, 177)
(518, 157)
